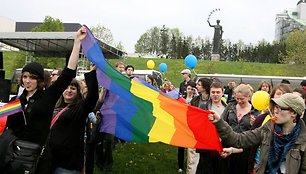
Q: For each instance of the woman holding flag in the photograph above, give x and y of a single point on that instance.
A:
(67, 133)
(33, 123)
(282, 139)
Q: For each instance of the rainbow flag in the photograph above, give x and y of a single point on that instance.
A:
(2, 124)
(10, 108)
(137, 113)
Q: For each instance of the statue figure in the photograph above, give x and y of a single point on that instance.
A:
(217, 37)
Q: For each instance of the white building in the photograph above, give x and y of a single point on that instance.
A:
(290, 20)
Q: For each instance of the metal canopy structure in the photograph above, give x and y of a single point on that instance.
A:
(50, 44)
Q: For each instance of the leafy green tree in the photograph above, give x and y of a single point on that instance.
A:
(186, 46)
(164, 40)
(196, 47)
(173, 47)
(279, 51)
(50, 24)
(149, 42)
(154, 36)
(175, 52)
(206, 49)
(143, 44)
(119, 46)
(103, 33)
(296, 47)
(179, 48)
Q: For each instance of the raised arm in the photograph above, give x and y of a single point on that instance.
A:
(74, 57)
(93, 91)
(209, 24)
(239, 140)
(57, 88)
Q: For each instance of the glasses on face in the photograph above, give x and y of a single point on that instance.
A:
(279, 109)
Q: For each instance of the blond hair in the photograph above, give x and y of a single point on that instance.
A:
(244, 90)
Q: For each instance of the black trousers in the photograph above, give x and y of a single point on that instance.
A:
(181, 157)
(104, 152)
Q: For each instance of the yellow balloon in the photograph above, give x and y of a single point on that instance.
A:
(150, 64)
(260, 100)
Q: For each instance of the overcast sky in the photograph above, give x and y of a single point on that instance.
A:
(247, 20)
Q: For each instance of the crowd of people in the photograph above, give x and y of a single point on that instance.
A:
(253, 141)
(269, 141)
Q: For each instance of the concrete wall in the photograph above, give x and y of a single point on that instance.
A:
(7, 25)
(301, 8)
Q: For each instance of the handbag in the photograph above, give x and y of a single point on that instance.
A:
(6, 140)
(22, 157)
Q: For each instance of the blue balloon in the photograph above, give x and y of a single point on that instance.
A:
(163, 67)
(191, 61)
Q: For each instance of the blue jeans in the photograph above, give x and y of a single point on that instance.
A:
(60, 170)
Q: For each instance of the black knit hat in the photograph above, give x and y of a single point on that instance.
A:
(34, 68)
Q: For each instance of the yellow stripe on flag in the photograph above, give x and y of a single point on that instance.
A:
(163, 128)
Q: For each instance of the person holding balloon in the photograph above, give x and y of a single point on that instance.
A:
(282, 140)
(261, 101)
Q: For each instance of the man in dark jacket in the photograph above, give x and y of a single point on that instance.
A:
(186, 74)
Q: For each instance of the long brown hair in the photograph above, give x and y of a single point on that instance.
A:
(262, 83)
(78, 98)
(285, 88)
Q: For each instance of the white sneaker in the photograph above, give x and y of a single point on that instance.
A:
(180, 170)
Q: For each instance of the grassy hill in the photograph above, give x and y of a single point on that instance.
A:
(13, 60)
(175, 66)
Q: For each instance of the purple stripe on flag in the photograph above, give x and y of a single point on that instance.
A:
(88, 43)
(103, 79)
(108, 114)
(10, 112)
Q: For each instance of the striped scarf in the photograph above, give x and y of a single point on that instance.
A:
(279, 147)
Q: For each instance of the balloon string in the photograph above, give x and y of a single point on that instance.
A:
(273, 118)
(194, 72)
(164, 76)
(270, 111)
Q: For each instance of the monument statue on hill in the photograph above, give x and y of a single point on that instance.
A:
(217, 37)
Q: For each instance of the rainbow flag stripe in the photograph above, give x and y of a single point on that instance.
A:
(137, 113)
(10, 108)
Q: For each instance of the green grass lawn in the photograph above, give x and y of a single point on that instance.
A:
(131, 158)
(175, 66)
